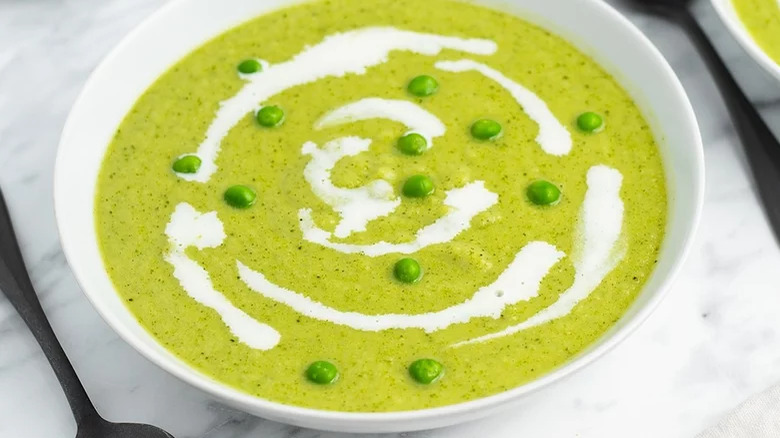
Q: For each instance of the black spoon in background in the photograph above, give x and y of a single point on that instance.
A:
(760, 145)
(16, 285)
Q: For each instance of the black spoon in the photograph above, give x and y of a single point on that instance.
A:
(761, 147)
(16, 285)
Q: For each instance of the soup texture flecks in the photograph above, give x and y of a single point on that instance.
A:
(762, 20)
(370, 206)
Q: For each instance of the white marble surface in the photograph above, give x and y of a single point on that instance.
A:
(713, 342)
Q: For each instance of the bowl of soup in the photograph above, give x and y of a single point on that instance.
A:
(755, 24)
(373, 216)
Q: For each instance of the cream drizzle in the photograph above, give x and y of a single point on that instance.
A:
(337, 55)
(518, 282)
(356, 206)
(360, 205)
(597, 250)
(410, 114)
(188, 227)
(553, 136)
(597, 253)
(465, 203)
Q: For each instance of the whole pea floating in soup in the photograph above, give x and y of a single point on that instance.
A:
(383, 207)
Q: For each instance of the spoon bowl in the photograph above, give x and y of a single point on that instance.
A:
(107, 429)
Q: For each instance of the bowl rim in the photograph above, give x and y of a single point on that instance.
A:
(728, 15)
(283, 412)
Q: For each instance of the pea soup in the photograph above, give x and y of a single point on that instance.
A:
(368, 206)
(762, 20)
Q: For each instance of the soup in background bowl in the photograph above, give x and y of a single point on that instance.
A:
(755, 24)
(374, 216)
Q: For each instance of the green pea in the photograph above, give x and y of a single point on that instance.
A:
(590, 122)
(418, 186)
(249, 66)
(407, 270)
(543, 193)
(485, 129)
(322, 372)
(412, 144)
(187, 164)
(240, 196)
(426, 371)
(422, 86)
(270, 116)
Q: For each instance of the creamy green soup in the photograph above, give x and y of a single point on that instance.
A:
(762, 20)
(364, 205)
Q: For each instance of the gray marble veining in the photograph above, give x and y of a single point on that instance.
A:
(713, 342)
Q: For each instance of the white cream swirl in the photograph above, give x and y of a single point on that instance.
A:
(465, 203)
(358, 206)
(553, 136)
(337, 55)
(597, 250)
(411, 115)
(188, 227)
(519, 282)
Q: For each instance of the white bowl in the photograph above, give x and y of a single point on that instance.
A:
(737, 28)
(183, 25)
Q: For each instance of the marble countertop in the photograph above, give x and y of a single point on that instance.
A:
(712, 343)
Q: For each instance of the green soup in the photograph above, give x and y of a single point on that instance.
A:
(762, 20)
(264, 215)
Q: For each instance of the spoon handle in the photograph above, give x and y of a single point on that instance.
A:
(16, 285)
(760, 145)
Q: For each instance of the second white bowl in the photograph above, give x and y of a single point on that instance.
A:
(727, 13)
